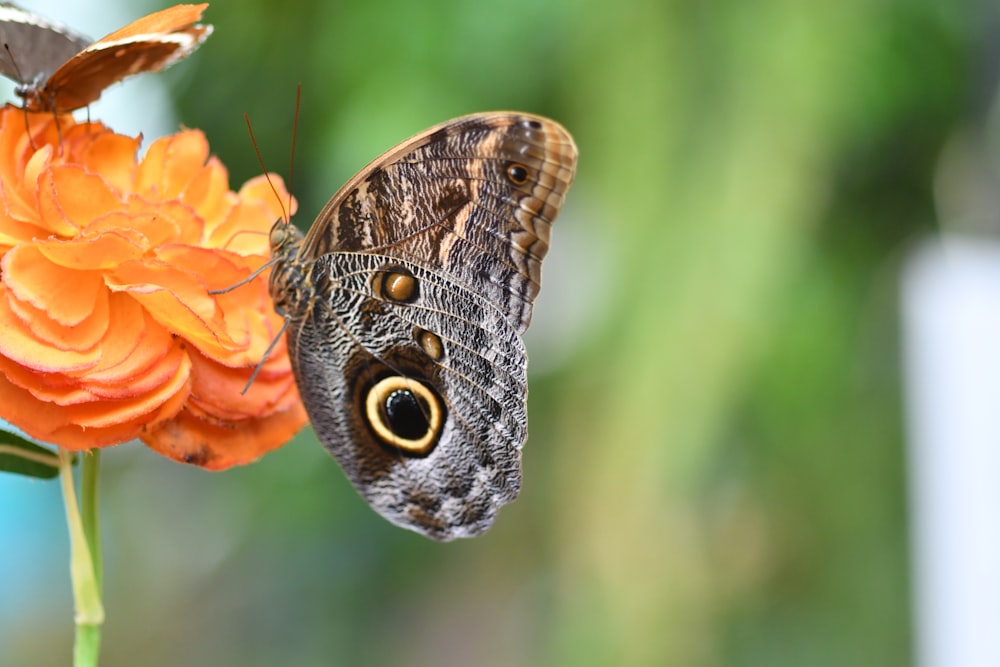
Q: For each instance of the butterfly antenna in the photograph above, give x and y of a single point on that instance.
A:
(295, 136)
(260, 161)
(284, 214)
(13, 63)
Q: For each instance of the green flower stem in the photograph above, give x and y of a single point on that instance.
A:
(91, 519)
(84, 557)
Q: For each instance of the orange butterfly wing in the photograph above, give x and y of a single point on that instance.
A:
(148, 44)
(164, 21)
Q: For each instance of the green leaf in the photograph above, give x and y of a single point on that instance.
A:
(23, 457)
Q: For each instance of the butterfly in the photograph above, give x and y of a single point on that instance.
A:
(58, 71)
(405, 304)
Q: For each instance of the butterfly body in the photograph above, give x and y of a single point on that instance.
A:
(406, 302)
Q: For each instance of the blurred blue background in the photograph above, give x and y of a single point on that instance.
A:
(715, 471)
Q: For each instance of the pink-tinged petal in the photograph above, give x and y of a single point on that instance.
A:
(208, 193)
(79, 337)
(176, 299)
(110, 155)
(133, 344)
(169, 163)
(219, 446)
(69, 198)
(66, 295)
(108, 329)
(103, 249)
(19, 344)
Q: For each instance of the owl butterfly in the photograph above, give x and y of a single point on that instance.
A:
(405, 304)
(59, 71)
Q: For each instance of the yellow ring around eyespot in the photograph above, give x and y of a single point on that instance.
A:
(373, 410)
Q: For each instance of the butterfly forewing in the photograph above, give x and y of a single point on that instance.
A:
(406, 302)
(82, 80)
(446, 197)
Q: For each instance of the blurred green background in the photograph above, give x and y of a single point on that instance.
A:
(715, 472)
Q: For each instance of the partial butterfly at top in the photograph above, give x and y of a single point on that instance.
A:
(60, 71)
(405, 304)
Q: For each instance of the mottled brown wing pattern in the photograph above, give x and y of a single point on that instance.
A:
(406, 301)
(447, 197)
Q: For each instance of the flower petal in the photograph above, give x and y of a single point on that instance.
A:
(175, 299)
(66, 295)
(208, 192)
(102, 249)
(93, 424)
(18, 343)
(133, 344)
(127, 307)
(108, 154)
(169, 163)
(219, 390)
(80, 337)
(187, 439)
(69, 198)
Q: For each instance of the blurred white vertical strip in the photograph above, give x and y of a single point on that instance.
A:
(951, 332)
(138, 105)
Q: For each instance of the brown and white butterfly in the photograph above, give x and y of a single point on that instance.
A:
(405, 304)
(58, 71)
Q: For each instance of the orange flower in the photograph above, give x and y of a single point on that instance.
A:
(108, 330)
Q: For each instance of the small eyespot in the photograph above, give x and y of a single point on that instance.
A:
(534, 125)
(396, 284)
(517, 173)
(430, 343)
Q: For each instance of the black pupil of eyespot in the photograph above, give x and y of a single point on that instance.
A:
(405, 416)
(517, 173)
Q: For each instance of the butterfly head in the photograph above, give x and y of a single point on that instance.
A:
(284, 237)
(32, 94)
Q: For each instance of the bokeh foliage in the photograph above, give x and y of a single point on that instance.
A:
(715, 474)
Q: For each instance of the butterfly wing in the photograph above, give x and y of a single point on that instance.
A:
(406, 302)
(447, 197)
(33, 47)
(148, 44)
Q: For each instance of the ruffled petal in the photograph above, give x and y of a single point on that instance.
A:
(131, 301)
(20, 344)
(214, 446)
(66, 295)
(69, 198)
